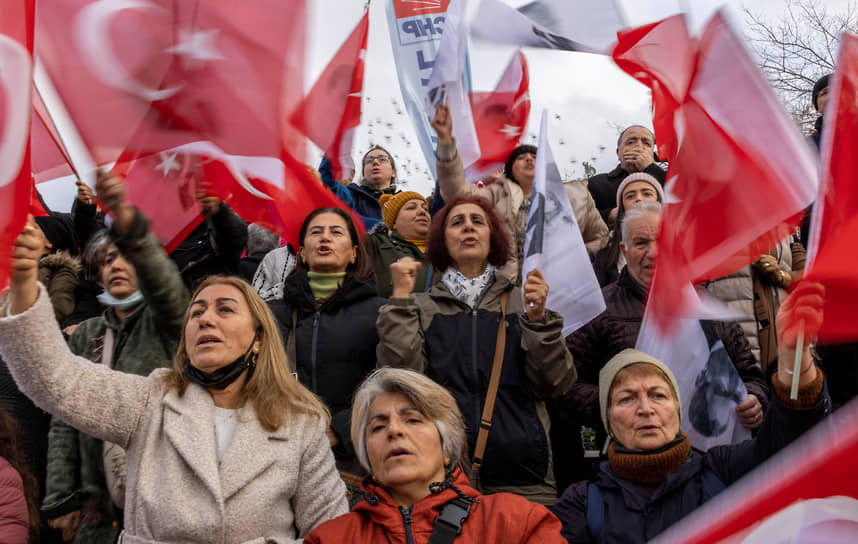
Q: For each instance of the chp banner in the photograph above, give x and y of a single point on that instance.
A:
(415, 28)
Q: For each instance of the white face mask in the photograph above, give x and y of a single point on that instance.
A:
(126, 303)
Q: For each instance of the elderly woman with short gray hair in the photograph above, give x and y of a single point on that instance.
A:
(408, 432)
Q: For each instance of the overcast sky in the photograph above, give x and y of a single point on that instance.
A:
(592, 98)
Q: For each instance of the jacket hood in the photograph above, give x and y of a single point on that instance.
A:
(61, 259)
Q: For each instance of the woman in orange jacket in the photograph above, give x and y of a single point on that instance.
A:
(409, 434)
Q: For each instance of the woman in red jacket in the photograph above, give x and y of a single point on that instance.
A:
(19, 515)
(409, 434)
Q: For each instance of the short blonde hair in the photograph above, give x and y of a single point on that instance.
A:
(274, 392)
(429, 398)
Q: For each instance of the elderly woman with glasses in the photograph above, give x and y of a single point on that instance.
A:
(225, 446)
(411, 437)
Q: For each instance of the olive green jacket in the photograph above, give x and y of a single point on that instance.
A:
(385, 247)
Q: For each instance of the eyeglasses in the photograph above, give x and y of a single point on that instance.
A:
(380, 158)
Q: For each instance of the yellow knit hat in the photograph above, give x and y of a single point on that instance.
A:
(391, 204)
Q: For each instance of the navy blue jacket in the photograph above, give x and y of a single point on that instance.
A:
(634, 514)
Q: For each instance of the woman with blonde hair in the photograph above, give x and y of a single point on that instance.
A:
(226, 446)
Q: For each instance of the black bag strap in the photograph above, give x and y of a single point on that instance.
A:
(449, 522)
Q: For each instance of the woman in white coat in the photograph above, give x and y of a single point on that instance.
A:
(224, 447)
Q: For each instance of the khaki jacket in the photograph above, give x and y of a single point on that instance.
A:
(435, 334)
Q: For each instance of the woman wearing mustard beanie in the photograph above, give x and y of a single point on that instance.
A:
(402, 233)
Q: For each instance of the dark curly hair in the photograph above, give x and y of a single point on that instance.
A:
(499, 247)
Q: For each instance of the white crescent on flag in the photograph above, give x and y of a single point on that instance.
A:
(93, 37)
(15, 76)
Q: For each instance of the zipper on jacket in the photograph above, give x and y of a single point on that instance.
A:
(313, 349)
(406, 521)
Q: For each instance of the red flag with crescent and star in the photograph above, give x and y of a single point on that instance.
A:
(500, 117)
(332, 109)
(16, 67)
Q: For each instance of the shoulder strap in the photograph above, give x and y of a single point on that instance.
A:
(491, 393)
(712, 484)
(595, 511)
(449, 522)
(430, 275)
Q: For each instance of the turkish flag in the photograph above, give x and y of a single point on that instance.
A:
(834, 229)
(331, 111)
(740, 172)
(150, 76)
(806, 493)
(500, 118)
(16, 68)
(164, 186)
(276, 193)
(661, 56)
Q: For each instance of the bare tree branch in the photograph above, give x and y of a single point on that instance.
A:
(797, 48)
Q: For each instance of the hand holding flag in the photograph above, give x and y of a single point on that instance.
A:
(553, 245)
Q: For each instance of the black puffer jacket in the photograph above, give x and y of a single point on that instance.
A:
(616, 329)
(214, 247)
(334, 344)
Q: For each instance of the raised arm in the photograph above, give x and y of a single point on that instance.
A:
(158, 278)
(785, 419)
(451, 172)
(401, 338)
(92, 398)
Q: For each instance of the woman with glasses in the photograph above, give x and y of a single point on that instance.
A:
(378, 177)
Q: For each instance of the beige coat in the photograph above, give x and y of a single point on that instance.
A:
(507, 197)
(269, 487)
(737, 290)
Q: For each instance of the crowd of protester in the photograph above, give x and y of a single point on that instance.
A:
(405, 384)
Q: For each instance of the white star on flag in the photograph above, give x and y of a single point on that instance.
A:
(168, 163)
(510, 131)
(197, 46)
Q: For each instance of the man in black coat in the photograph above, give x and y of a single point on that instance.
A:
(636, 152)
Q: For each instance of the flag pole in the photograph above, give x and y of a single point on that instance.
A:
(79, 156)
(796, 368)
